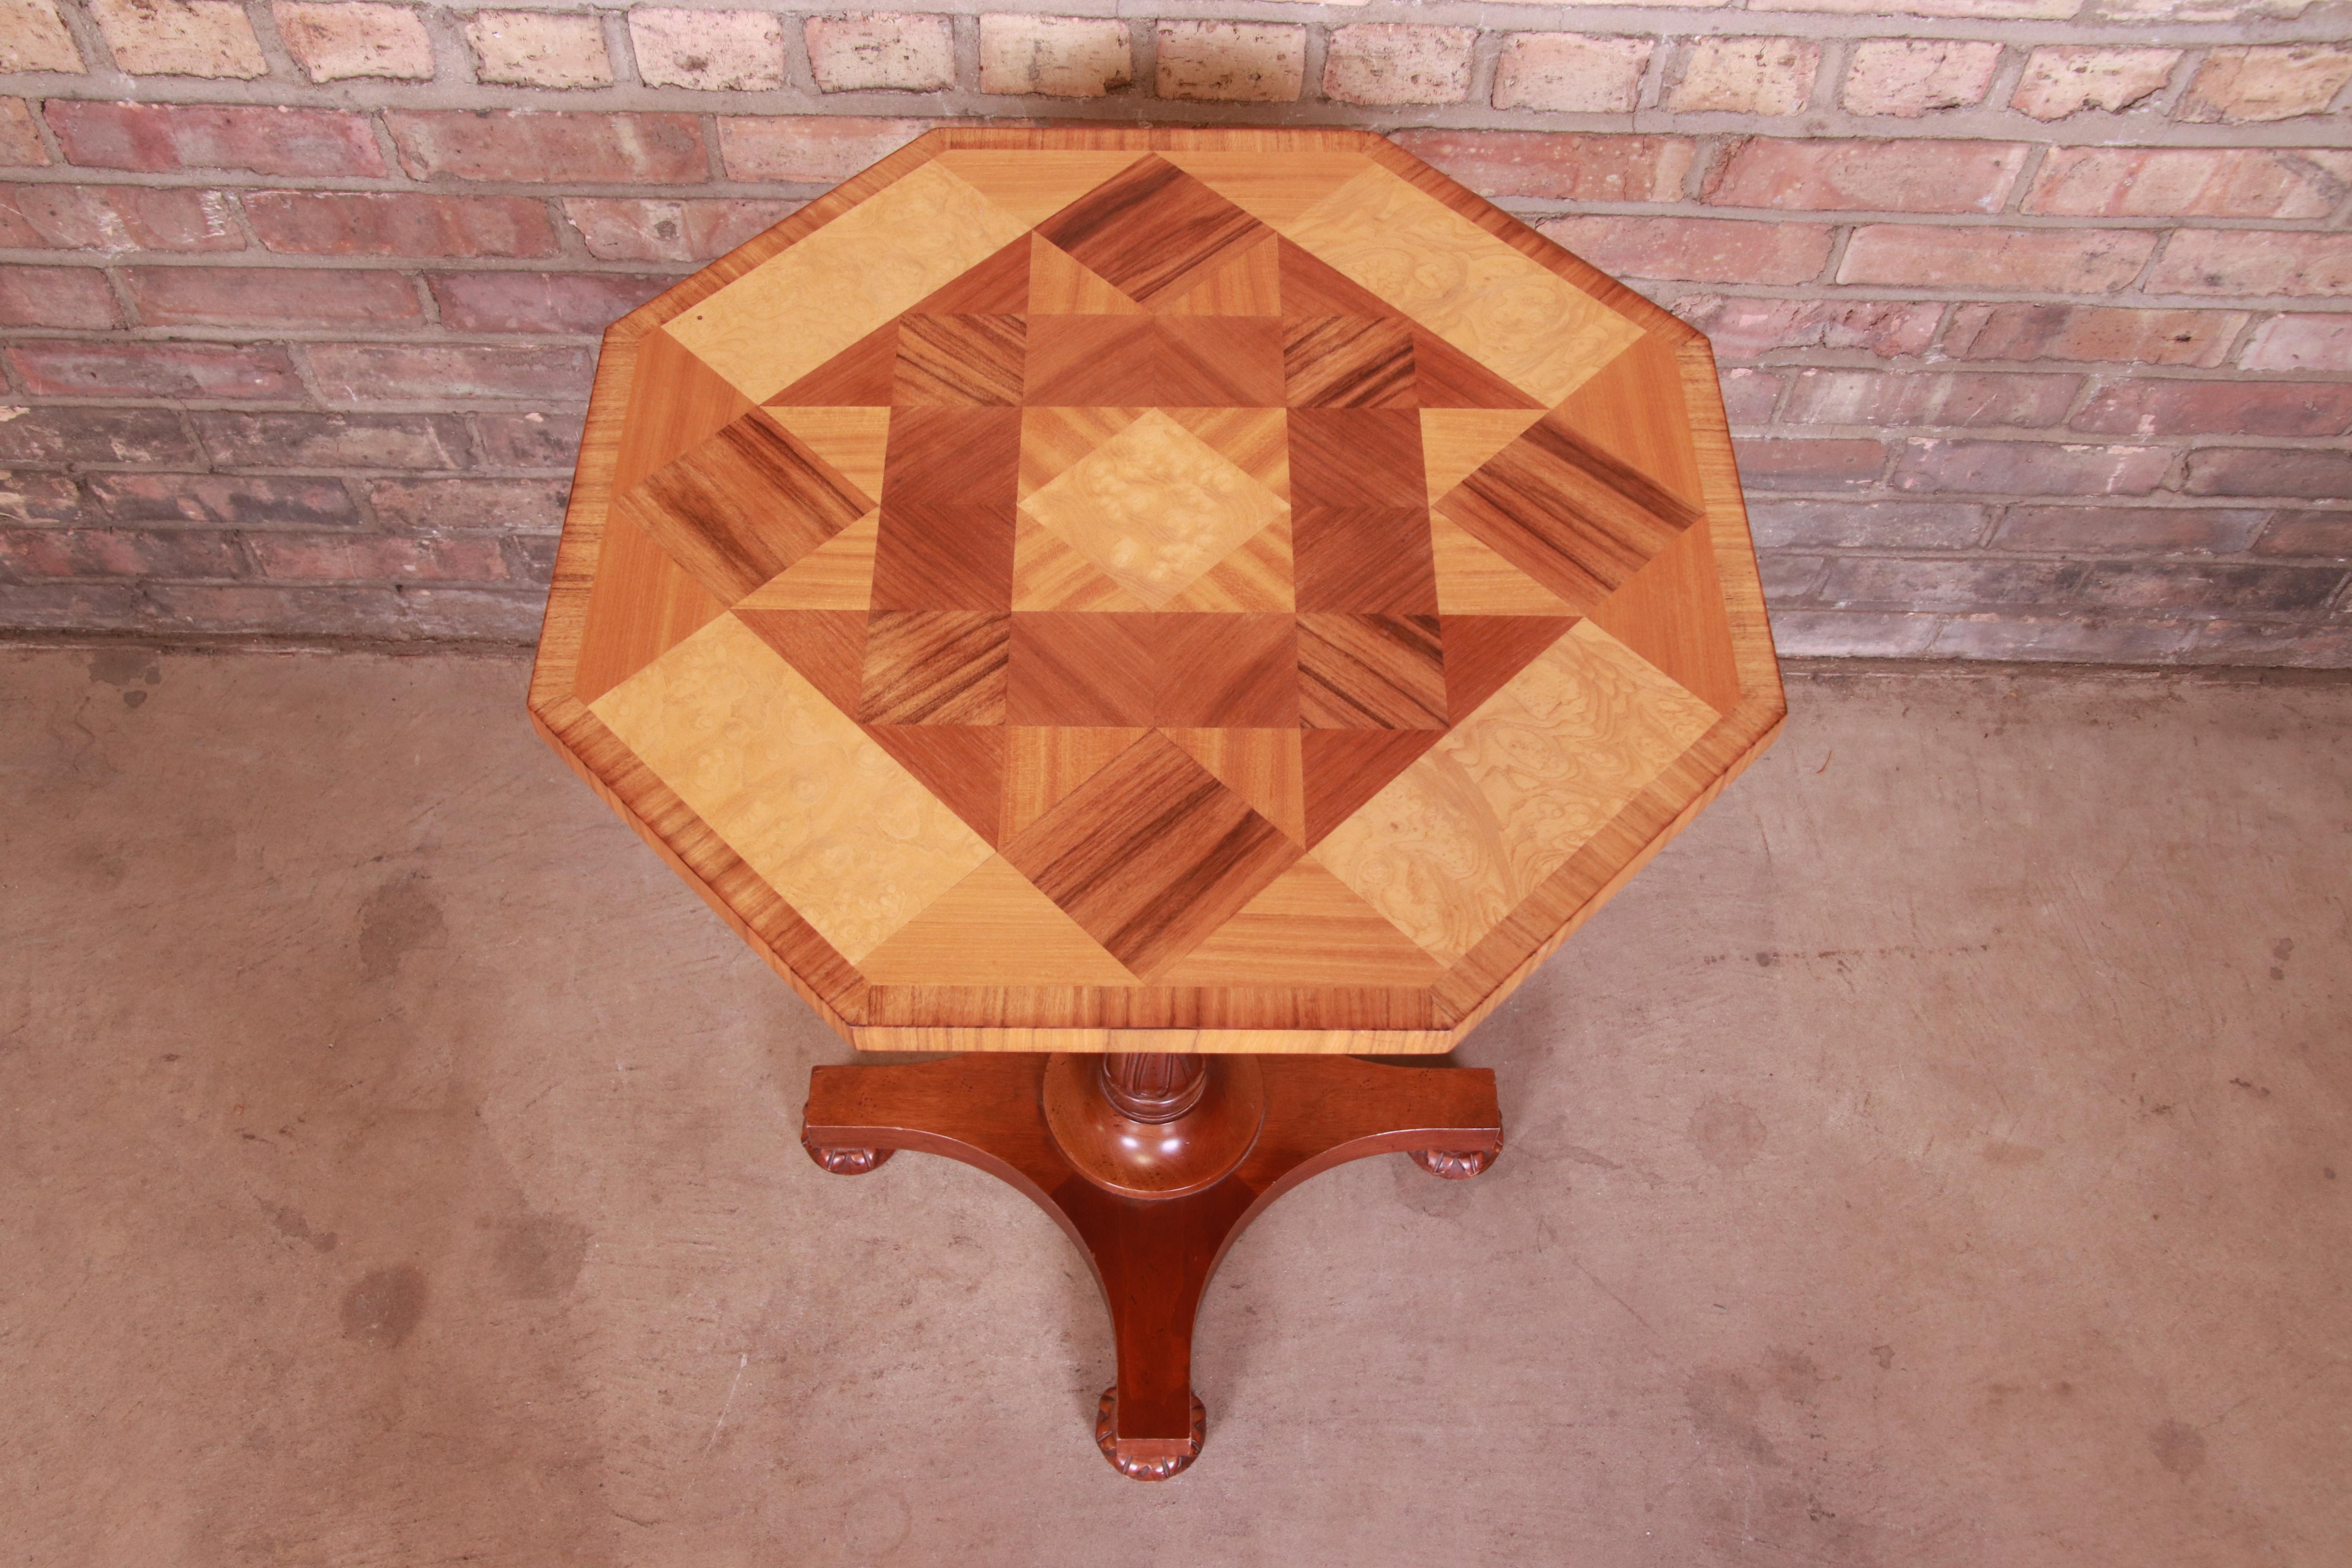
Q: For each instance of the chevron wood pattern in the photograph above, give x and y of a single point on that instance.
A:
(1100, 586)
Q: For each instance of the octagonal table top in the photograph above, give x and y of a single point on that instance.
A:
(1108, 589)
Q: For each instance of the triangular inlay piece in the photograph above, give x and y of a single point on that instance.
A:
(996, 287)
(994, 928)
(1482, 652)
(1671, 612)
(1053, 438)
(1062, 285)
(1258, 575)
(828, 647)
(1306, 929)
(1262, 766)
(836, 575)
(862, 375)
(963, 764)
(1445, 377)
(1031, 184)
(1314, 288)
(854, 441)
(1456, 442)
(1248, 285)
(675, 404)
(1049, 574)
(640, 606)
(1345, 768)
(1474, 580)
(1272, 190)
(1042, 766)
(1632, 412)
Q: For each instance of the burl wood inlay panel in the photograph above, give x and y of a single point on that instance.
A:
(1117, 586)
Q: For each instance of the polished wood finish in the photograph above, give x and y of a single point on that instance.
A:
(1024, 1119)
(1101, 499)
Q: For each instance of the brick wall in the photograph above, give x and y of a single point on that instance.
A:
(2036, 314)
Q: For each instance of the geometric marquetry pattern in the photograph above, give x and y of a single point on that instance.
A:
(1176, 574)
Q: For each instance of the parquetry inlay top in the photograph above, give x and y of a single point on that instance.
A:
(1230, 585)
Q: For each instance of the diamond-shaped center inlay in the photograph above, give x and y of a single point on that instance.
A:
(1155, 507)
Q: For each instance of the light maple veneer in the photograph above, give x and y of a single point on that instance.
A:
(1155, 590)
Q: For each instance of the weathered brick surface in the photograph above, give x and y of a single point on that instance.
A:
(32, 37)
(595, 148)
(2021, 312)
(180, 37)
(1055, 56)
(881, 50)
(1396, 62)
(1571, 73)
(369, 223)
(2064, 80)
(1563, 166)
(1239, 62)
(535, 49)
(711, 51)
(342, 40)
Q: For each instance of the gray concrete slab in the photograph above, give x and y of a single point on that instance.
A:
(1941, 1155)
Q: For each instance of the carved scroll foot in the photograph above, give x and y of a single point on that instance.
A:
(1152, 1460)
(1152, 1167)
(847, 1162)
(1453, 1164)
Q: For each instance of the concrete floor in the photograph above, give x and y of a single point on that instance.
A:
(1933, 1159)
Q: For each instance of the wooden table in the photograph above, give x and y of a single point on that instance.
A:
(1163, 614)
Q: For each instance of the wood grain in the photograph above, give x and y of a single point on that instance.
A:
(643, 605)
(994, 928)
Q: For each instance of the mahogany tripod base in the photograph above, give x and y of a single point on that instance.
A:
(1152, 1190)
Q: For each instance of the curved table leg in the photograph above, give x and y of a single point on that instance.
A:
(1153, 1257)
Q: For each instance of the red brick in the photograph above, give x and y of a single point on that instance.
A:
(228, 296)
(2272, 644)
(630, 228)
(2060, 81)
(2210, 586)
(1749, 396)
(881, 50)
(2280, 83)
(517, 145)
(1876, 397)
(55, 297)
(2075, 638)
(2269, 471)
(1743, 328)
(2128, 529)
(2254, 261)
(534, 557)
(32, 499)
(75, 607)
(1867, 525)
(2149, 408)
(2190, 181)
(32, 553)
(2058, 261)
(2323, 535)
(1563, 165)
(1787, 578)
(329, 440)
(811, 149)
(1701, 249)
(506, 505)
(1397, 62)
(1913, 77)
(2029, 467)
(119, 369)
(2300, 342)
(373, 223)
(322, 612)
(1873, 176)
(474, 615)
(367, 372)
(116, 217)
(20, 142)
(534, 440)
(540, 301)
(1948, 583)
(1829, 465)
(153, 138)
(1840, 633)
(376, 557)
(97, 435)
(235, 500)
(2091, 332)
